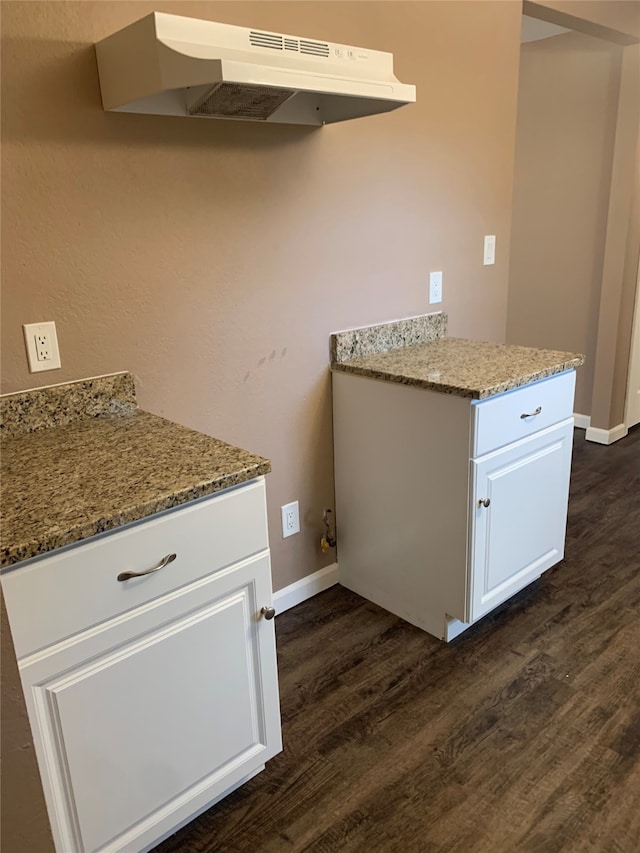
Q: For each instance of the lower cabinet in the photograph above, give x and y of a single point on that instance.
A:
(445, 508)
(144, 720)
(519, 515)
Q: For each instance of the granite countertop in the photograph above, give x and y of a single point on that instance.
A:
(78, 474)
(466, 368)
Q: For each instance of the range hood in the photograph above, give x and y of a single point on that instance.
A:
(171, 65)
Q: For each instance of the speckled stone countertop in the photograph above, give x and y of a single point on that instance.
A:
(385, 336)
(474, 369)
(64, 483)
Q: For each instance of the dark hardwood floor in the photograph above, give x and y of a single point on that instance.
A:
(521, 735)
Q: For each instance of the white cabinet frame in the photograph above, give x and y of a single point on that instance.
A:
(144, 720)
(410, 535)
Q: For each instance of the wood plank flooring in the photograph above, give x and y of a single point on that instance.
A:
(521, 735)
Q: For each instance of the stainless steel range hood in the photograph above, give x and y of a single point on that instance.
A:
(171, 65)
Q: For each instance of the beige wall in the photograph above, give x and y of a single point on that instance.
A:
(567, 108)
(622, 246)
(630, 292)
(212, 259)
(575, 235)
(616, 22)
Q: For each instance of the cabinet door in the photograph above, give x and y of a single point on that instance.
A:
(141, 736)
(521, 532)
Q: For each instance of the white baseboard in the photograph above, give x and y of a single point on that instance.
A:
(581, 421)
(305, 588)
(606, 436)
(600, 436)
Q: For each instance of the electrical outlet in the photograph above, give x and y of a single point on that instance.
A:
(41, 343)
(435, 287)
(290, 519)
(43, 347)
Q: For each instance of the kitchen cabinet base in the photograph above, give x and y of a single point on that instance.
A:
(143, 720)
(453, 628)
(192, 815)
(427, 527)
(436, 622)
(433, 621)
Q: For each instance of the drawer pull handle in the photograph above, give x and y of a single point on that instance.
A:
(268, 612)
(125, 576)
(484, 502)
(531, 414)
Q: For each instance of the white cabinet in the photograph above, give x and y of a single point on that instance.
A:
(446, 507)
(144, 718)
(519, 503)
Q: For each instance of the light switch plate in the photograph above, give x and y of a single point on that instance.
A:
(435, 287)
(489, 250)
(41, 342)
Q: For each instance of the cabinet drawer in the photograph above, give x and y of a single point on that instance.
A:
(499, 420)
(71, 591)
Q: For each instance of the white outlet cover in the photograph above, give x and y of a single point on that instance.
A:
(31, 331)
(290, 519)
(435, 287)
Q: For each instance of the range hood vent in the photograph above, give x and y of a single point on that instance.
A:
(170, 65)
(228, 100)
(278, 42)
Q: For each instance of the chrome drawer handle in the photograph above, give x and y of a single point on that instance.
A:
(268, 612)
(484, 502)
(531, 414)
(125, 576)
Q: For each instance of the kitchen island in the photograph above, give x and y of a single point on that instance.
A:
(452, 464)
(136, 575)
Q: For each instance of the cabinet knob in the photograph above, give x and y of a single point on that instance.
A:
(484, 502)
(268, 612)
